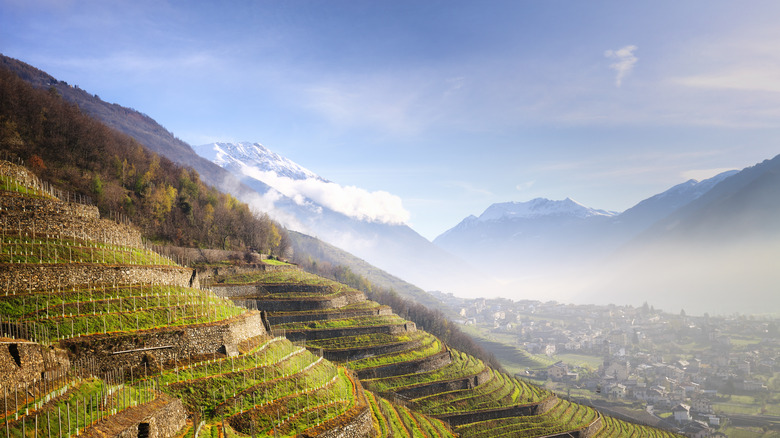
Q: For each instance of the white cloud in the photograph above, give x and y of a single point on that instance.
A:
(624, 62)
(378, 206)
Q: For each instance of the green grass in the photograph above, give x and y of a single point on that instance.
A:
(51, 250)
(360, 341)
(274, 262)
(7, 184)
(431, 346)
(361, 321)
(79, 311)
(462, 365)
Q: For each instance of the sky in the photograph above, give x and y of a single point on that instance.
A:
(440, 108)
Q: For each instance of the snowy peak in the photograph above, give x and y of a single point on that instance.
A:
(239, 156)
(540, 207)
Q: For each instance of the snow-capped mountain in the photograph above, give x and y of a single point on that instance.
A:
(517, 238)
(245, 158)
(526, 229)
(544, 237)
(370, 225)
(540, 207)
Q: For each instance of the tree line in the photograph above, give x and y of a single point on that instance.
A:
(168, 202)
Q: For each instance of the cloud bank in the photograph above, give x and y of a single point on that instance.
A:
(624, 62)
(377, 206)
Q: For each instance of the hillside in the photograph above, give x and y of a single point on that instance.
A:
(170, 204)
(398, 248)
(400, 361)
(103, 337)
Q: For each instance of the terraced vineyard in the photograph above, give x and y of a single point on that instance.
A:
(102, 337)
(394, 359)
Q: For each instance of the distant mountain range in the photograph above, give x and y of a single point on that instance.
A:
(702, 246)
(525, 236)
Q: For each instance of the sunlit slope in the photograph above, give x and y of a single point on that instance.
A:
(395, 359)
(102, 336)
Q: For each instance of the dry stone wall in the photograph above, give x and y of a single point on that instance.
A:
(162, 418)
(346, 354)
(42, 217)
(17, 278)
(18, 173)
(320, 316)
(430, 363)
(493, 414)
(22, 363)
(361, 426)
(394, 329)
(468, 382)
(308, 304)
(154, 348)
(251, 268)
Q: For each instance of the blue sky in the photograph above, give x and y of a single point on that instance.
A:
(448, 105)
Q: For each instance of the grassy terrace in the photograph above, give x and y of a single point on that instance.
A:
(563, 417)
(53, 250)
(298, 408)
(55, 315)
(462, 365)
(11, 185)
(613, 428)
(498, 391)
(358, 308)
(363, 321)
(363, 305)
(430, 346)
(368, 340)
(288, 277)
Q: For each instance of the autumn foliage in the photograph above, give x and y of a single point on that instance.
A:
(79, 154)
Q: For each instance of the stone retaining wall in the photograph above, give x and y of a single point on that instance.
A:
(283, 288)
(592, 429)
(356, 353)
(306, 304)
(43, 217)
(467, 382)
(322, 316)
(16, 278)
(161, 418)
(429, 363)
(234, 291)
(360, 426)
(392, 329)
(494, 414)
(208, 256)
(23, 362)
(139, 349)
(18, 173)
